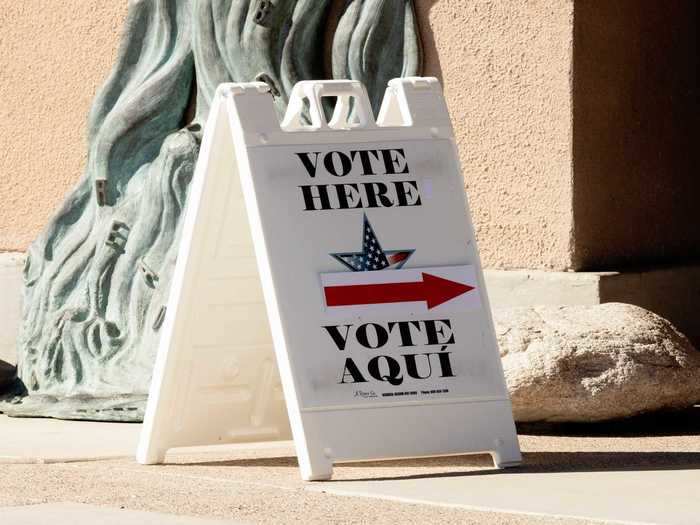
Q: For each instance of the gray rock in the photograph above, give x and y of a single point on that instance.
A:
(594, 363)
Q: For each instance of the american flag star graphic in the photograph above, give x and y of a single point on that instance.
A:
(372, 257)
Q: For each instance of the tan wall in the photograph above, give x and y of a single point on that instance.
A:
(54, 54)
(506, 69)
(505, 66)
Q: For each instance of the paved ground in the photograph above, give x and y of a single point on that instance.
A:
(36, 440)
(605, 469)
(81, 514)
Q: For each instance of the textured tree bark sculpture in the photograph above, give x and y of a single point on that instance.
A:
(97, 279)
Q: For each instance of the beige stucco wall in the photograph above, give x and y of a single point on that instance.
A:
(506, 69)
(54, 54)
(505, 65)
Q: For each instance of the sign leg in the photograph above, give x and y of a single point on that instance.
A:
(506, 455)
(315, 466)
(150, 456)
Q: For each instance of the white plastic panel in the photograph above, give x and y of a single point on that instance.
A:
(215, 378)
(382, 372)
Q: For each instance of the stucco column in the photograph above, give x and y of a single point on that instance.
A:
(506, 68)
(576, 125)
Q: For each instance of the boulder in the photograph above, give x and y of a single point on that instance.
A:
(594, 363)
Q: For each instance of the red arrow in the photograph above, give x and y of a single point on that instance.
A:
(432, 289)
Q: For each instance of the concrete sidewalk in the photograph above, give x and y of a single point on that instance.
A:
(626, 496)
(39, 440)
(625, 474)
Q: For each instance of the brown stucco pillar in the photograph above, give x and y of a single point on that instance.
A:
(576, 122)
(635, 155)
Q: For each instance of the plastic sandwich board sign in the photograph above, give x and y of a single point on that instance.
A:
(340, 253)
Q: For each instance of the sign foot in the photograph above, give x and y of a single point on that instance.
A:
(316, 467)
(506, 458)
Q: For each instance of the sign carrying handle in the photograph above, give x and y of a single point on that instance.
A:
(349, 95)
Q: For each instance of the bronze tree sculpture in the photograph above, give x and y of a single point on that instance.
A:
(97, 279)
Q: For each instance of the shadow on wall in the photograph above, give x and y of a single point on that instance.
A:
(634, 133)
(431, 58)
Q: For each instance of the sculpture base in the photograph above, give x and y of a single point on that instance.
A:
(127, 408)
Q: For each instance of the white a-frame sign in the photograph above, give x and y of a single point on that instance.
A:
(343, 248)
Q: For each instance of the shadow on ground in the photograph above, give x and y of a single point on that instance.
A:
(548, 462)
(533, 462)
(679, 423)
